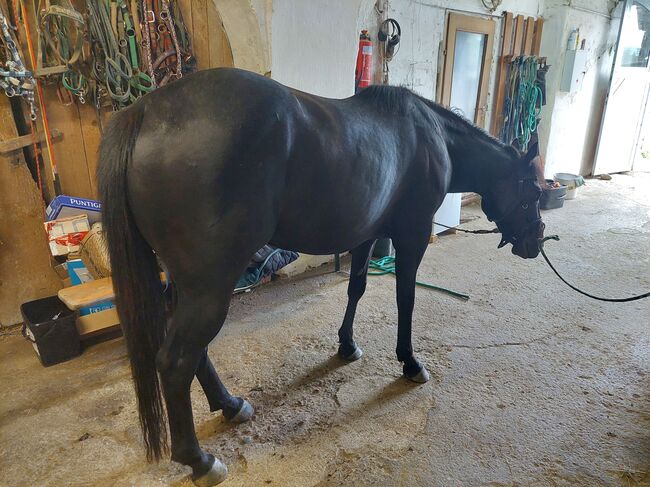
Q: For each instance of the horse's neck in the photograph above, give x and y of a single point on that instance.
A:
(477, 162)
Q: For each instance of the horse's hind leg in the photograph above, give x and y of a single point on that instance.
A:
(348, 349)
(234, 409)
(195, 322)
(204, 293)
(409, 251)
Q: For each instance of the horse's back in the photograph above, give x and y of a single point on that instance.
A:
(347, 166)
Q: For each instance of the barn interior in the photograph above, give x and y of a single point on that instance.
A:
(531, 382)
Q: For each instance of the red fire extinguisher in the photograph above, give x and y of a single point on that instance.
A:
(363, 71)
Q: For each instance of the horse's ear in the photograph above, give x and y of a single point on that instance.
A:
(533, 152)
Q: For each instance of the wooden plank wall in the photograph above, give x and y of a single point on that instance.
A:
(209, 39)
(521, 36)
(76, 153)
(25, 271)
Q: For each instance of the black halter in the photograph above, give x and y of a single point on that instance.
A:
(522, 203)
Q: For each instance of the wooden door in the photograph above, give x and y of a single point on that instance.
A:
(468, 59)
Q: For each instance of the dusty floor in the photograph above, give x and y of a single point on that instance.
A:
(532, 385)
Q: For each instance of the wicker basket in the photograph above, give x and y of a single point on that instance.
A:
(94, 252)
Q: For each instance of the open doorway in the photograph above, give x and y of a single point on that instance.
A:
(623, 134)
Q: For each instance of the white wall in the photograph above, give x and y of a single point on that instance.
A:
(572, 120)
(313, 46)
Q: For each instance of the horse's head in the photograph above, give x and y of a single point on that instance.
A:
(512, 203)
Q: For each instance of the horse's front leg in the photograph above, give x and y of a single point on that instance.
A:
(234, 409)
(408, 255)
(348, 349)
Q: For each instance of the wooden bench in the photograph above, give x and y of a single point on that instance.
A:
(91, 294)
(88, 294)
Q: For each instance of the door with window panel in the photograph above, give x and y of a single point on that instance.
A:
(464, 84)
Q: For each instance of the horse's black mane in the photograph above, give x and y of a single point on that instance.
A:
(398, 100)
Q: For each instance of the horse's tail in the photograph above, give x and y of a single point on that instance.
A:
(136, 279)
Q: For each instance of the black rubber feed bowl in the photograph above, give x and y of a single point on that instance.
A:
(552, 197)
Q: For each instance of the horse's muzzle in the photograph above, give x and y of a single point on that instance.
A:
(528, 247)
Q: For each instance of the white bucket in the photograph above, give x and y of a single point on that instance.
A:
(571, 181)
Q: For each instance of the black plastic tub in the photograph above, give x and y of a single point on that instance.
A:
(51, 327)
(552, 197)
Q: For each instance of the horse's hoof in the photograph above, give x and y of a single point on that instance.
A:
(244, 414)
(421, 377)
(217, 474)
(356, 354)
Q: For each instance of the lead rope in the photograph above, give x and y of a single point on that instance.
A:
(609, 300)
(541, 249)
(475, 232)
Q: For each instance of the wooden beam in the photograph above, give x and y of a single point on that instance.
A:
(17, 143)
(201, 39)
(519, 34)
(502, 69)
(528, 40)
(537, 41)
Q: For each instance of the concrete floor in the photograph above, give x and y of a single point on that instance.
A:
(532, 385)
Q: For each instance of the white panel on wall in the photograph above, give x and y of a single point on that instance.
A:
(314, 45)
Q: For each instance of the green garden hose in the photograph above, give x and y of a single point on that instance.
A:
(386, 265)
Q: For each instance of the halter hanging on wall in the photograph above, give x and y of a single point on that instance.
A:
(390, 33)
(389, 36)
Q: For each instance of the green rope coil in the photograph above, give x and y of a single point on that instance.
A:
(523, 105)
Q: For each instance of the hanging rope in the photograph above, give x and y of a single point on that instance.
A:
(523, 105)
(62, 29)
(115, 52)
(15, 80)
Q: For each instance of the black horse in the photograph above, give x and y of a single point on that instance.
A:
(205, 171)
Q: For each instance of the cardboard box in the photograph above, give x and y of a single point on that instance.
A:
(94, 323)
(78, 272)
(65, 234)
(68, 206)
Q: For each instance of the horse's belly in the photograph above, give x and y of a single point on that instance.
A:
(326, 231)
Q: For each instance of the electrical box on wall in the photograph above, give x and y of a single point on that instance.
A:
(575, 63)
